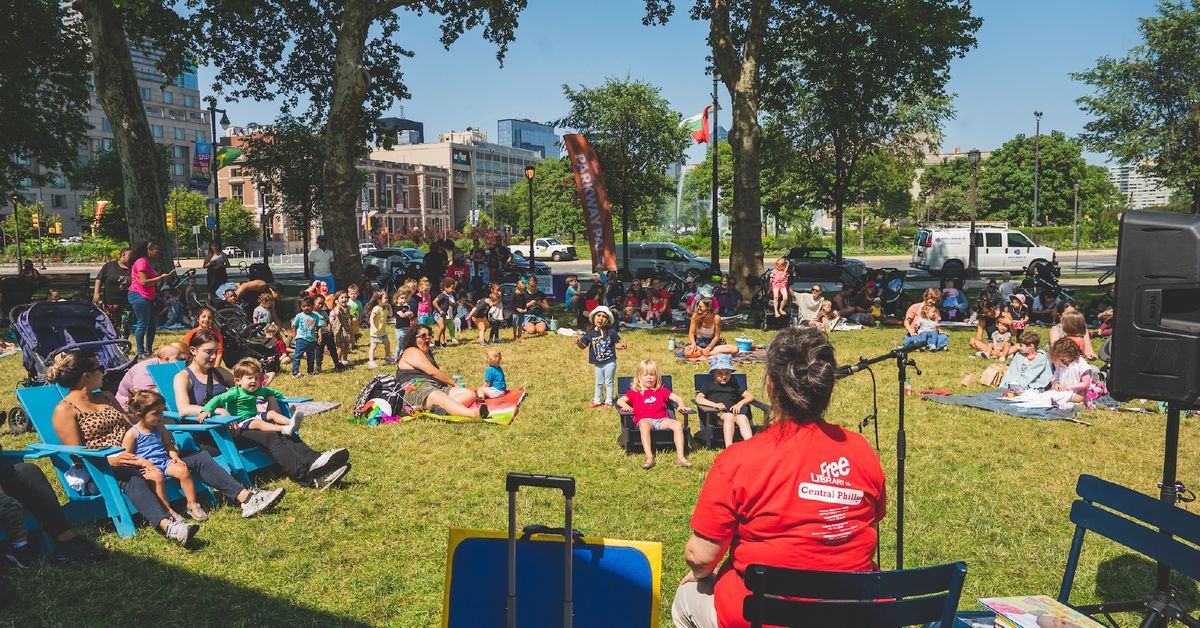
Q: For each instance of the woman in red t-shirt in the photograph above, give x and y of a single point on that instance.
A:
(647, 400)
(802, 494)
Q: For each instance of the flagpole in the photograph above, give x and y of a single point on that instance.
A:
(713, 141)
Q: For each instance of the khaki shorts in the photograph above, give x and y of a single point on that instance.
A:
(417, 391)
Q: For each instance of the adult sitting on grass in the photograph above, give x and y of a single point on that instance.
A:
(427, 387)
(704, 333)
(987, 324)
(204, 379)
(750, 504)
(929, 297)
(536, 307)
(94, 420)
(808, 305)
(851, 306)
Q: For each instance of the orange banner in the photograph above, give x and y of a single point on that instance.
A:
(597, 213)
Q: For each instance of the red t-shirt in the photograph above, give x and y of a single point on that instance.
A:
(796, 496)
(632, 301)
(459, 273)
(649, 404)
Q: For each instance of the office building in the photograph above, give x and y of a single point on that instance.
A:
(173, 110)
(529, 135)
(402, 131)
(1140, 190)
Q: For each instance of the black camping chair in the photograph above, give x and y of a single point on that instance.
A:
(710, 434)
(629, 438)
(863, 600)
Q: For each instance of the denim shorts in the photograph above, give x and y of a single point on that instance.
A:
(656, 424)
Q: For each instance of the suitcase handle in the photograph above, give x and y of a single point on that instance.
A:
(530, 530)
(515, 481)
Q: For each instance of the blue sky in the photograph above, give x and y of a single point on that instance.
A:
(1026, 50)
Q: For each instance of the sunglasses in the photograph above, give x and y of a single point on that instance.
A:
(423, 335)
(816, 289)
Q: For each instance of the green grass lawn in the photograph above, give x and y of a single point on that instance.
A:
(992, 490)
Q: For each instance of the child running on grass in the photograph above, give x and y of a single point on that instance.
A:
(377, 316)
(727, 398)
(157, 453)
(244, 400)
(602, 343)
(647, 400)
(479, 317)
(493, 378)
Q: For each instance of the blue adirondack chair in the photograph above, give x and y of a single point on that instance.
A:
(110, 502)
(239, 462)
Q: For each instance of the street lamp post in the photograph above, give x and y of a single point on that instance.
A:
(212, 119)
(16, 198)
(1075, 230)
(1037, 164)
(41, 246)
(529, 178)
(973, 253)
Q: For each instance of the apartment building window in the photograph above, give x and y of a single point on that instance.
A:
(105, 125)
(201, 136)
(156, 130)
(437, 192)
(58, 201)
(235, 172)
(177, 152)
(180, 134)
(177, 170)
(106, 143)
(26, 182)
(58, 181)
(189, 100)
(168, 98)
(371, 198)
(21, 160)
(237, 191)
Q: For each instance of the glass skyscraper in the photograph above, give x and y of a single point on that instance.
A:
(529, 135)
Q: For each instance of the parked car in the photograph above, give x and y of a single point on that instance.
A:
(385, 262)
(819, 264)
(944, 250)
(233, 251)
(366, 247)
(546, 248)
(647, 257)
(70, 240)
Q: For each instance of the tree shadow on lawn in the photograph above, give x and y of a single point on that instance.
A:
(1132, 577)
(128, 588)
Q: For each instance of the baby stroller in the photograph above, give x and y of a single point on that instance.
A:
(1042, 278)
(762, 302)
(248, 341)
(48, 328)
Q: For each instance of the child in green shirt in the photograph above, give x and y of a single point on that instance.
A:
(257, 405)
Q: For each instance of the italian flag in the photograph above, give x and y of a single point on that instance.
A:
(698, 125)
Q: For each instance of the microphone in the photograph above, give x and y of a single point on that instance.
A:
(850, 369)
(863, 363)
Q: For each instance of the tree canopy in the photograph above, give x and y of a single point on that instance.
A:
(1146, 104)
(44, 97)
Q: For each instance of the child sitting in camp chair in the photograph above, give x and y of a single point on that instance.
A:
(243, 401)
(727, 398)
(647, 400)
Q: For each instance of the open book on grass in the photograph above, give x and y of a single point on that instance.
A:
(1037, 611)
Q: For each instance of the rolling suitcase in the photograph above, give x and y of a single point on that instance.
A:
(523, 578)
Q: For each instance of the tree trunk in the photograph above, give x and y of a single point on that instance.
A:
(117, 90)
(740, 75)
(345, 143)
(1196, 198)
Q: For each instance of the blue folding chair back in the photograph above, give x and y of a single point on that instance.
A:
(1133, 520)
(108, 501)
(796, 597)
(631, 441)
(709, 433)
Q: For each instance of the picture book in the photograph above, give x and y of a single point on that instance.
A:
(1037, 611)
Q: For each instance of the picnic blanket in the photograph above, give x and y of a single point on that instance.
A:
(317, 407)
(744, 357)
(501, 411)
(992, 400)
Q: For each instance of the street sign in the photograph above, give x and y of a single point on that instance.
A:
(195, 229)
(211, 222)
(217, 201)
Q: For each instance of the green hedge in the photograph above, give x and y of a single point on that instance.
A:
(92, 249)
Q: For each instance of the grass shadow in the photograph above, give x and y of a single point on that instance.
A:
(128, 588)
(1132, 577)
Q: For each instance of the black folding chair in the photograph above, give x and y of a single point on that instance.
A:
(631, 440)
(710, 432)
(862, 599)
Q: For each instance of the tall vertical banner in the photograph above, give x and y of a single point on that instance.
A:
(201, 162)
(593, 197)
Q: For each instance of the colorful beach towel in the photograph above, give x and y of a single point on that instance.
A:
(501, 411)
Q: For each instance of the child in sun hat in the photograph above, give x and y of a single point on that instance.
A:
(602, 343)
(723, 394)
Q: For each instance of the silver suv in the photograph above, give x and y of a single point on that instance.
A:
(651, 256)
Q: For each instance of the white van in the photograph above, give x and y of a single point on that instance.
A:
(998, 249)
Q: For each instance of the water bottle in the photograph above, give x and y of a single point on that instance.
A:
(908, 387)
(670, 344)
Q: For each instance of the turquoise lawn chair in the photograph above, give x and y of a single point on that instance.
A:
(109, 502)
(239, 462)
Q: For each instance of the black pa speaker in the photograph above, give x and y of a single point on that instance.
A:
(1156, 338)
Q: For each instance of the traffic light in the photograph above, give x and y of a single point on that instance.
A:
(34, 219)
(171, 221)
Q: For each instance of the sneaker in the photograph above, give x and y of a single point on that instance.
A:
(298, 375)
(77, 549)
(182, 533)
(332, 478)
(483, 411)
(297, 417)
(331, 459)
(260, 501)
(21, 557)
(197, 512)
(372, 364)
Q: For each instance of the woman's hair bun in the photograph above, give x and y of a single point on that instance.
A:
(802, 368)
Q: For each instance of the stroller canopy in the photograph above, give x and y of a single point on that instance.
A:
(51, 327)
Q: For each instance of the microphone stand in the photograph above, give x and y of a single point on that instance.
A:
(903, 361)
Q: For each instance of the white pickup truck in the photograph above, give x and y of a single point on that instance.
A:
(546, 248)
